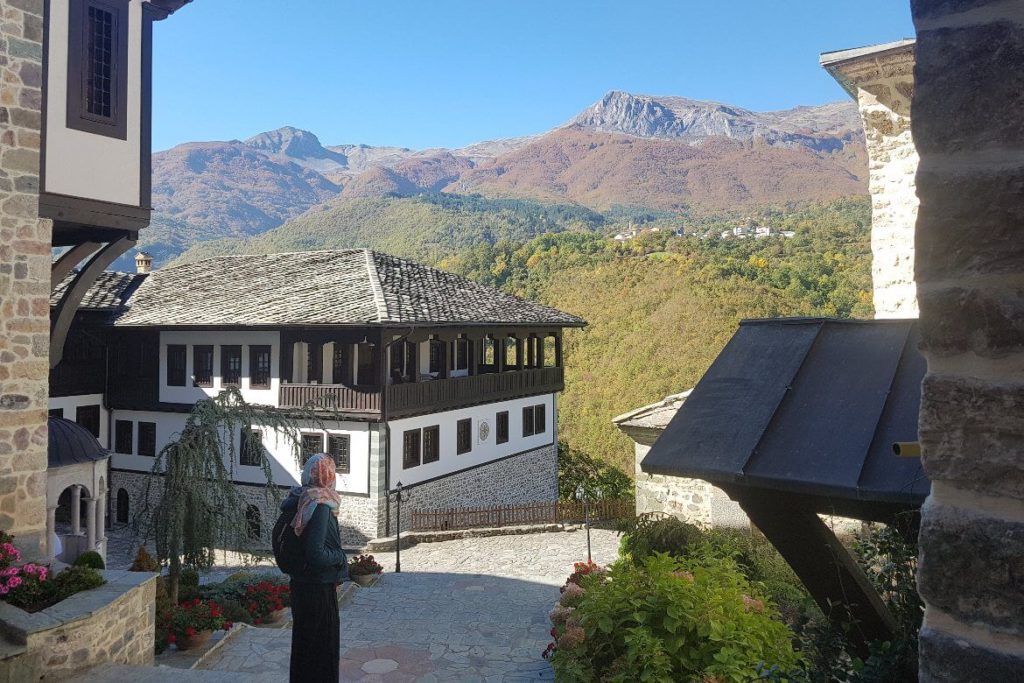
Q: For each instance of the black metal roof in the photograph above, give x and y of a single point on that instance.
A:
(808, 406)
(71, 444)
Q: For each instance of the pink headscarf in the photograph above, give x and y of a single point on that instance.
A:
(318, 481)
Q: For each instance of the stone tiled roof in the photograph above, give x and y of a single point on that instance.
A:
(837, 56)
(108, 293)
(346, 287)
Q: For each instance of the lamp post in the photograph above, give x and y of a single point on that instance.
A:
(398, 536)
(581, 495)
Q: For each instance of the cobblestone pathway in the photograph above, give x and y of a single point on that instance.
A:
(464, 610)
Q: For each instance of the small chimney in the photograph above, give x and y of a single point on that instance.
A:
(143, 262)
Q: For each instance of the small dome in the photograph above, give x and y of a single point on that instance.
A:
(71, 444)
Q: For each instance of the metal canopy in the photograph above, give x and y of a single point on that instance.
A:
(807, 406)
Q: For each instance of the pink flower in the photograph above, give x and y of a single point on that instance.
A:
(10, 571)
(14, 582)
(4, 590)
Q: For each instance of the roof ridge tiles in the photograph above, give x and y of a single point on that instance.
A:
(383, 314)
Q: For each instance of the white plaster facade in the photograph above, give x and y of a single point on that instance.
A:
(81, 164)
(191, 394)
(69, 405)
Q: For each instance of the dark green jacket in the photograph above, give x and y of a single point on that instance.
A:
(321, 539)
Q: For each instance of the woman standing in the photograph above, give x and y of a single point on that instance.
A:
(315, 629)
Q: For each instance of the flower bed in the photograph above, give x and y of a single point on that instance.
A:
(32, 587)
(185, 624)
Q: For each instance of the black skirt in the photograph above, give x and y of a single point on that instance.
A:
(316, 636)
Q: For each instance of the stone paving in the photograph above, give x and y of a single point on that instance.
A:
(461, 610)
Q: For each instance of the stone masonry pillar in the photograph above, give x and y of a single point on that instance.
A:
(24, 280)
(968, 126)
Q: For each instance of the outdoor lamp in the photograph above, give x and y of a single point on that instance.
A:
(581, 495)
(398, 536)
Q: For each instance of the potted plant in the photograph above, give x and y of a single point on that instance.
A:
(190, 624)
(364, 570)
(267, 602)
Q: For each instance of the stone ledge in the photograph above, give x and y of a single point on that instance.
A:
(387, 544)
(20, 624)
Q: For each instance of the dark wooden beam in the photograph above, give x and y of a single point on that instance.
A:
(64, 313)
(68, 260)
(824, 565)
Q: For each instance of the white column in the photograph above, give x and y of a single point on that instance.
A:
(101, 517)
(51, 531)
(76, 509)
(90, 523)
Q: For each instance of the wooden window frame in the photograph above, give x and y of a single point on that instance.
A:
(144, 444)
(55, 412)
(528, 426)
(81, 411)
(78, 115)
(412, 448)
(435, 352)
(431, 450)
(227, 353)
(302, 445)
(245, 457)
(206, 351)
(501, 430)
(540, 418)
(124, 430)
(462, 354)
(255, 352)
(464, 436)
(176, 375)
(342, 465)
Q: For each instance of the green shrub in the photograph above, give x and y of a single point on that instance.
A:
(656, 532)
(599, 480)
(235, 612)
(668, 619)
(189, 577)
(91, 559)
(75, 580)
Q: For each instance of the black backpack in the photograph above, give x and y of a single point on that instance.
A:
(288, 551)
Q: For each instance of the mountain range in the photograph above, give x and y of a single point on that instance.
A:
(668, 154)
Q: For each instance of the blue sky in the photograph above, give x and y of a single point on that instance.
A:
(446, 73)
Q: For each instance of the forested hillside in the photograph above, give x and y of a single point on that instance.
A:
(660, 306)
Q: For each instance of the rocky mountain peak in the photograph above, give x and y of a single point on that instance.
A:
(298, 145)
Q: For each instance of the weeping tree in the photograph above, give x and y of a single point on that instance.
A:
(199, 508)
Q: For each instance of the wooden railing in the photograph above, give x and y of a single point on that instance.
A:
(548, 512)
(434, 395)
(445, 394)
(330, 397)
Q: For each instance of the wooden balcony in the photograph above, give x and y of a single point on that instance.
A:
(446, 394)
(424, 397)
(330, 397)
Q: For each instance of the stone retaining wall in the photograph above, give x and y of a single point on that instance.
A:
(114, 623)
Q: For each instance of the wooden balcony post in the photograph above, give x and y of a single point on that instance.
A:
(519, 352)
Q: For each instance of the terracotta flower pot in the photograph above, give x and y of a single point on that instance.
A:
(193, 642)
(365, 579)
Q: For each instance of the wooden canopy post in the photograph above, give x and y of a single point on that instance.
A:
(823, 564)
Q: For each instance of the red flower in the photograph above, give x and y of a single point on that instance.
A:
(257, 621)
(171, 639)
(228, 625)
(190, 632)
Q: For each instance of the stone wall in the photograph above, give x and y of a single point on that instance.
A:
(691, 500)
(528, 477)
(969, 130)
(885, 85)
(113, 623)
(24, 279)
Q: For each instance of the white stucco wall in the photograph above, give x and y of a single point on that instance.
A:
(70, 403)
(283, 463)
(191, 394)
(484, 450)
(81, 164)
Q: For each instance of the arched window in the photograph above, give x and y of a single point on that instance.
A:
(253, 526)
(122, 506)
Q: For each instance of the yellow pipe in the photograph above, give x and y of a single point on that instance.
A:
(907, 449)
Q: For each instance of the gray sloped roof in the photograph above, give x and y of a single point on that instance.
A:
(69, 443)
(110, 291)
(343, 287)
(827, 59)
(805, 406)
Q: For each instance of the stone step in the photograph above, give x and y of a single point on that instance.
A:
(120, 673)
